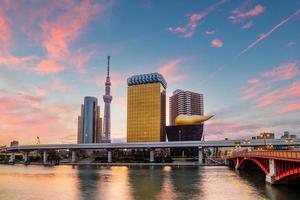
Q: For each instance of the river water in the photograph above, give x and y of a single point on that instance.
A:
(18, 182)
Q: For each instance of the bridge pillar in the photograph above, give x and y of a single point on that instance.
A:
(25, 157)
(73, 156)
(151, 155)
(272, 172)
(225, 161)
(45, 157)
(12, 158)
(200, 155)
(237, 163)
(109, 156)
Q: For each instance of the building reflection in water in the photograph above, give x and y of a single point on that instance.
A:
(186, 182)
(88, 179)
(114, 184)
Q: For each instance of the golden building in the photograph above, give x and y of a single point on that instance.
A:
(146, 108)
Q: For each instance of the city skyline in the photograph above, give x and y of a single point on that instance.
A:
(243, 56)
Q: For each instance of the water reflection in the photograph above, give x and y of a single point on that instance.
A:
(114, 183)
(90, 183)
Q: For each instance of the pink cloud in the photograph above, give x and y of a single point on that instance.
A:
(279, 95)
(217, 43)
(61, 109)
(222, 127)
(292, 107)
(58, 85)
(188, 30)
(14, 61)
(48, 67)
(40, 91)
(22, 111)
(170, 70)
(80, 59)
(248, 25)
(283, 72)
(66, 27)
(258, 86)
(239, 15)
(264, 36)
(5, 34)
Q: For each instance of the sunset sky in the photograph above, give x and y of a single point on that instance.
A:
(243, 55)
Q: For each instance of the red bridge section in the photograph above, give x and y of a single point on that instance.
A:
(280, 166)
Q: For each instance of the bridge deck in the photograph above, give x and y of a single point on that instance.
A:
(291, 155)
(220, 143)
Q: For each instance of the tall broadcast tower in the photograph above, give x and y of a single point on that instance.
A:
(107, 100)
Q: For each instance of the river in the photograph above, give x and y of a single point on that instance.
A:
(19, 182)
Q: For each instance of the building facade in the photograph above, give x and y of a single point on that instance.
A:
(185, 103)
(146, 108)
(107, 98)
(89, 122)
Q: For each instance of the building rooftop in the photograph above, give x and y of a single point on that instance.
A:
(147, 78)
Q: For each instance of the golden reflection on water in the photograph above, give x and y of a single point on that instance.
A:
(114, 183)
(88, 183)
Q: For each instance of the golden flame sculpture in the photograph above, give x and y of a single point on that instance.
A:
(191, 119)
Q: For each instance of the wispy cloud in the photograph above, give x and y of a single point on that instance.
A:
(66, 27)
(264, 83)
(217, 43)
(239, 15)
(188, 30)
(264, 36)
(291, 107)
(210, 32)
(5, 34)
(48, 67)
(58, 85)
(285, 71)
(277, 96)
(171, 70)
(36, 118)
(248, 25)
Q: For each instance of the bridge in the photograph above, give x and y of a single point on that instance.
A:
(279, 166)
(151, 146)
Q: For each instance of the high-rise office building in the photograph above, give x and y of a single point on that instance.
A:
(107, 98)
(89, 122)
(185, 103)
(146, 108)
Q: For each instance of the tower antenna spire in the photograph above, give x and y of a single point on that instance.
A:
(108, 57)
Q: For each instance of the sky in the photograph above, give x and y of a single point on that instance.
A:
(243, 55)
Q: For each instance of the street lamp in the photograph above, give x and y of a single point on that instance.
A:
(289, 141)
(264, 135)
(247, 142)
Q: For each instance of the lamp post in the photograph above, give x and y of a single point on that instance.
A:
(289, 141)
(264, 135)
(247, 142)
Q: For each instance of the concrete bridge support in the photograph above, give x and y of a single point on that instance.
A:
(272, 172)
(200, 155)
(109, 156)
(73, 156)
(12, 157)
(237, 163)
(45, 157)
(25, 157)
(151, 155)
(226, 161)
